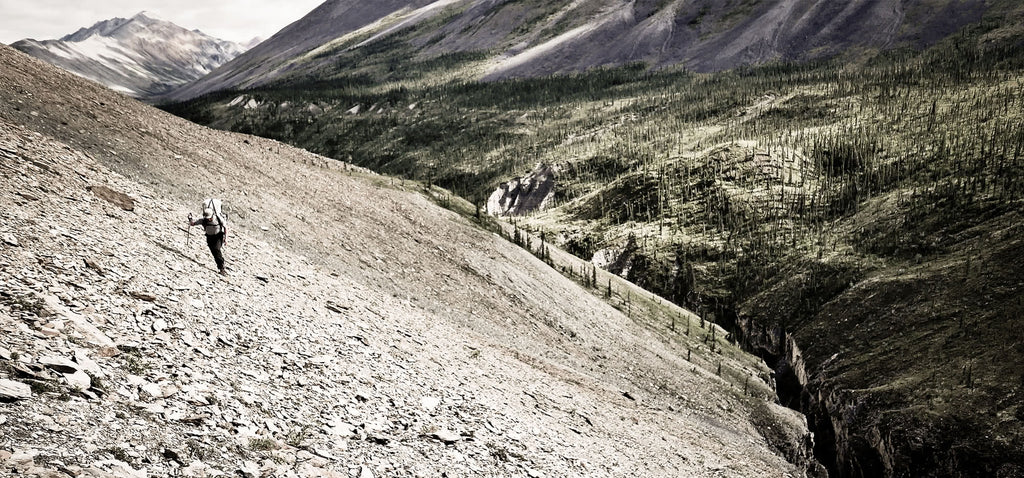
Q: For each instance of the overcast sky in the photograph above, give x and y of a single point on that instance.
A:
(235, 20)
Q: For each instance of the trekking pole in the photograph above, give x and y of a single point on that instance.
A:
(188, 232)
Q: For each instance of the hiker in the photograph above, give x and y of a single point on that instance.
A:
(215, 224)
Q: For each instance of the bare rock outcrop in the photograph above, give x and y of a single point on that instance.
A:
(530, 193)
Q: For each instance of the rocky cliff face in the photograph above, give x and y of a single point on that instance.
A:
(849, 354)
(139, 56)
(367, 332)
(533, 192)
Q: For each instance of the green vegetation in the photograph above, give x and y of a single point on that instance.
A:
(864, 211)
(262, 444)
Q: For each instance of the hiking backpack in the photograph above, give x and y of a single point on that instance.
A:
(212, 208)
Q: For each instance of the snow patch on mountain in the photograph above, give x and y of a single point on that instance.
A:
(140, 56)
(410, 19)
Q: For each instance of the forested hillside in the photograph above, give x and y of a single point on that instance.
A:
(857, 223)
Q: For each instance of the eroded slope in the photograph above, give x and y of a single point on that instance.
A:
(363, 329)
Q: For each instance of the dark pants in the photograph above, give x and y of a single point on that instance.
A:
(215, 242)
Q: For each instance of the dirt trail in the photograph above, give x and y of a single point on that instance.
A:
(363, 330)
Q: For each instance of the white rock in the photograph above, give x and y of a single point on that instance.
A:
(22, 460)
(196, 469)
(159, 325)
(89, 332)
(152, 389)
(365, 472)
(339, 428)
(250, 469)
(117, 468)
(324, 454)
(168, 390)
(87, 364)
(446, 436)
(12, 390)
(430, 403)
(79, 380)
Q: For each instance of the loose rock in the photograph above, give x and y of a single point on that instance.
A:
(60, 364)
(11, 390)
(79, 380)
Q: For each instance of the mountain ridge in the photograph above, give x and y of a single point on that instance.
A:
(140, 56)
(534, 39)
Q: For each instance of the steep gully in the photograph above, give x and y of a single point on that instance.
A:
(841, 450)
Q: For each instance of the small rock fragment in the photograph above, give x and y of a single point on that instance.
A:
(90, 333)
(118, 199)
(324, 454)
(175, 455)
(11, 390)
(430, 403)
(446, 436)
(249, 469)
(79, 380)
(143, 296)
(59, 364)
(88, 365)
(339, 428)
(94, 266)
(10, 240)
(196, 469)
(23, 460)
(159, 325)
(152, 389)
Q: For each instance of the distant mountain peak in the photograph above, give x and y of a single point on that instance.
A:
(142, 56)
(253, 42)
(101, 28)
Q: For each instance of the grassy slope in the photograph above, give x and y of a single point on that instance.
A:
(864, 211)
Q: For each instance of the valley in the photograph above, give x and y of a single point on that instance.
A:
(363, 330)
(855, 224)
(518, 238)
